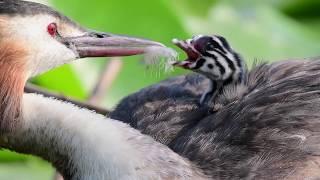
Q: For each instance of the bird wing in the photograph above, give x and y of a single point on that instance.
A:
(165, 109)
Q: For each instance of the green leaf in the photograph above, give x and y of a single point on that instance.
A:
(33, 169)
(15, 166)
(62, 79)
(8, 156)
(193, 7)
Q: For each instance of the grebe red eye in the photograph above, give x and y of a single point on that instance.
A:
(52, 29)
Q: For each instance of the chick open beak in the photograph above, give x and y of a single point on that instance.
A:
(193, 55)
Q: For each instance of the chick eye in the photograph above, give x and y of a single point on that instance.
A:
(210, 47)
(52, 29)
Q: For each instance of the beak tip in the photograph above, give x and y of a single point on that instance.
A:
(160, 44)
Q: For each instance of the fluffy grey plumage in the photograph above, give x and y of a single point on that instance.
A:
(268, 128)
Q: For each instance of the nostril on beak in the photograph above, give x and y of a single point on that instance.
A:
(99, 35)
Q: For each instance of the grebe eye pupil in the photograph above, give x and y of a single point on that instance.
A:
(52, 29)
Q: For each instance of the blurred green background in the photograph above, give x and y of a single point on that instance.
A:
(264, 30)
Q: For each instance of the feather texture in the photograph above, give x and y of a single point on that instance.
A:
(267, 128)
(162, 57)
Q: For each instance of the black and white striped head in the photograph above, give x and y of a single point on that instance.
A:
(211, 56)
